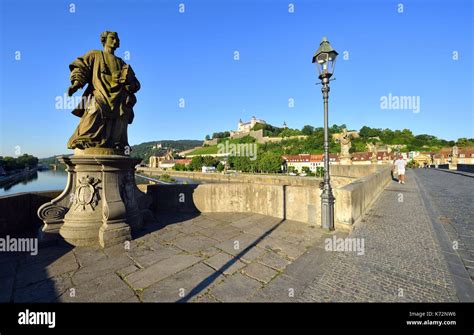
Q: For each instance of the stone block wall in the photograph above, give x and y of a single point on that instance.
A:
(293, 202)
(18, 211)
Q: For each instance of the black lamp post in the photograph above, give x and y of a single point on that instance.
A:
(325, 59)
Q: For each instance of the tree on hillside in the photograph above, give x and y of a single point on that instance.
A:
(222, 134)
(367, 132)
(289, 132)
(337, 129)
(196, 163)
(269, 162)
(209, 161)
(464, 142)
(242, 163)
(179, 167)
(307, 130)
(27, 161)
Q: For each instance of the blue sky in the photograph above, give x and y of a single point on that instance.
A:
(190, 55)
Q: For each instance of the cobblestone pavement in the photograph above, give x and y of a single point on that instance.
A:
(403, 260)
(452, 195)
(208, 257)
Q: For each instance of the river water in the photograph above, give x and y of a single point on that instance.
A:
(40, 181)
(50, 180)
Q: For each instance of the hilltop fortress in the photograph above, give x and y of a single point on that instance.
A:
(245, 129)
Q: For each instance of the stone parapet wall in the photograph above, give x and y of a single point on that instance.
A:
(296, 202)
(18, 211)
(355, 171)
(337, 177)
(355, 198)
(465, 167)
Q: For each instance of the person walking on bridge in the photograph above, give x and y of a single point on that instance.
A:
(400, 165)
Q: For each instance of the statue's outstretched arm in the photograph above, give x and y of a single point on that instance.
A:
(81, 72)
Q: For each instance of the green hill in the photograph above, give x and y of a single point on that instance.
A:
(313, 143)
(147, 149)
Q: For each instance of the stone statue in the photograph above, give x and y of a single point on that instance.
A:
(372, 148)
(345, 139)
(101, 203)
(106, 108)
(455, 152)
(454, 157)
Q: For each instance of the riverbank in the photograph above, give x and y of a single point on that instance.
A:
(38, 181)
(17, 177)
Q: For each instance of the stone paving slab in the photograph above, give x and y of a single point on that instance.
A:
(45, 290)
(155, 255)
(237, 288)
(220, 233)
(28, 274)
(238, 244)
(102, 289)
(260, 272)
(158, 271)
(273, 260)
(100, 269)
(224, 263)
(195, 280)
(193, 244)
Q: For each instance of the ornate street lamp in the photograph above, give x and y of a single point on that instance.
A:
(325, 59)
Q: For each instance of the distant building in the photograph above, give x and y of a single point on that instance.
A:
(245, 127)
(365, 158)
(207, 169)
(183, 161)
(167, 161)
(166, 164)
(454, 155)
(466, 155)
(312, 162)
(423, 158)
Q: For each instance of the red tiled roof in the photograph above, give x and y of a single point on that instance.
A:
(367, 156)
(184, 161)
(467, 151)
(303, 158)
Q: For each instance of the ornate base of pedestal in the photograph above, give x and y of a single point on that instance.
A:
(100, 204)
(345, 160)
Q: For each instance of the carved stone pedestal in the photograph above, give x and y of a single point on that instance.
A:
(345, 160)
(100, 204)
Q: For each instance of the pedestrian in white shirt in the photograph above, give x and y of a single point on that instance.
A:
(400, 165)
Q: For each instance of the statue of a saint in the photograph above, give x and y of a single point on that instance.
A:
(107, 104)
(372, 147)
(345, 139)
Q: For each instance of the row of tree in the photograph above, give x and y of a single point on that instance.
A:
(266, 162)
(16, 163)
(223, 134)
(422, 142)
